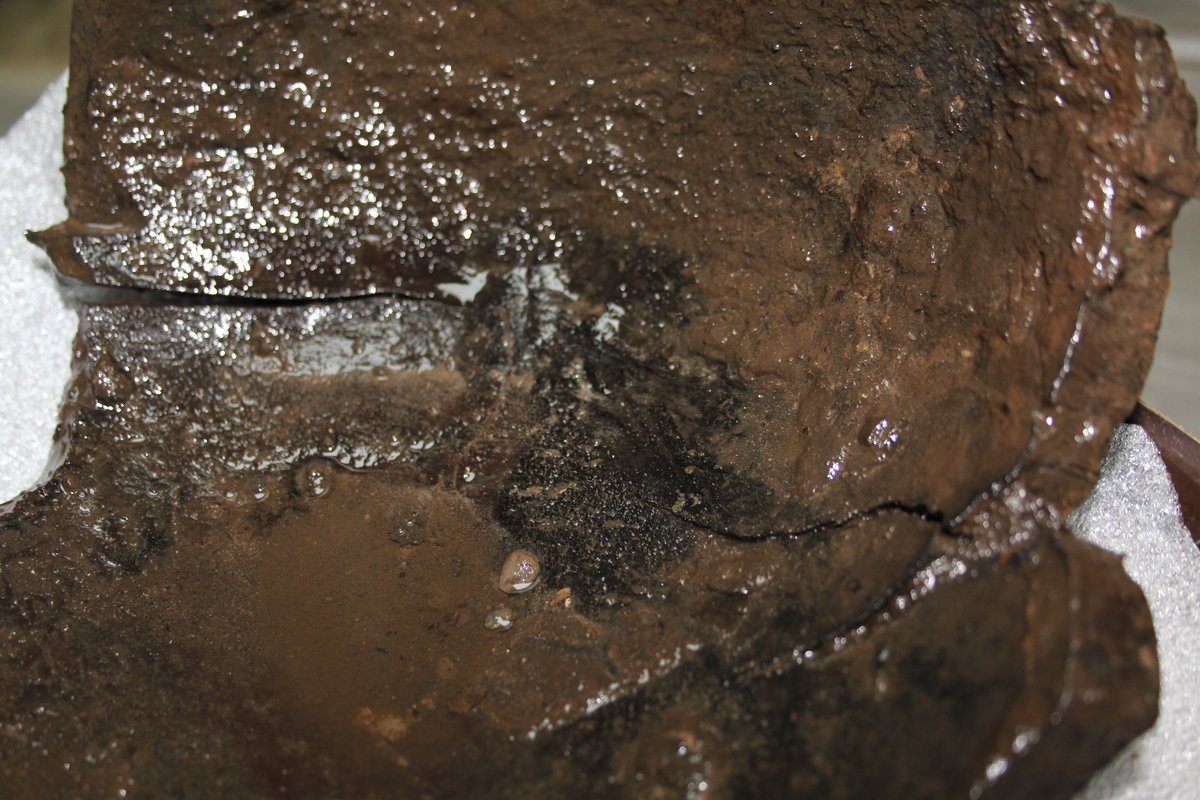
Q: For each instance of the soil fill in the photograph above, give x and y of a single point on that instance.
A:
(626, 399)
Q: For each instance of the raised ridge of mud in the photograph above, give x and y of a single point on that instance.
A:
(783, 335)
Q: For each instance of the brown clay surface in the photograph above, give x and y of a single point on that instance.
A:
(238, 583)
(797, 329)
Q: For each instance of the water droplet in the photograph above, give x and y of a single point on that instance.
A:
(411, 526)
(109, 381)
(264, 340)
(1025, 738)
(882, 435)
(315, 477)
(520, 572)
(498, 619)
(329, 442)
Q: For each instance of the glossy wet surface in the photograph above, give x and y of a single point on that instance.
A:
(37, 34)
(315, 628)
(786, 419)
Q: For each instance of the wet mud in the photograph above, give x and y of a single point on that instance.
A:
(643, 400)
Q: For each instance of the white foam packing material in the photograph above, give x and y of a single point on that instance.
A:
(36, 328)
(1133, 511)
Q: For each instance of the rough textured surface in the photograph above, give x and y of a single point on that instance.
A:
(231, 568)
(906, 230)
(792, 333)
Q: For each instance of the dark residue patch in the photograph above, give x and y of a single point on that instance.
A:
(769, 332)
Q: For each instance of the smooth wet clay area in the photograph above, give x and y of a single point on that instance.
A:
(592, 398)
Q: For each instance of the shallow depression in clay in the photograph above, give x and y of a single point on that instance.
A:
(621, 400)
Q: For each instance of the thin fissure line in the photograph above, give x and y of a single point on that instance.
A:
(86, 293)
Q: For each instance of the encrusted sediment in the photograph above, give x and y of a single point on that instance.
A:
(779, 338)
